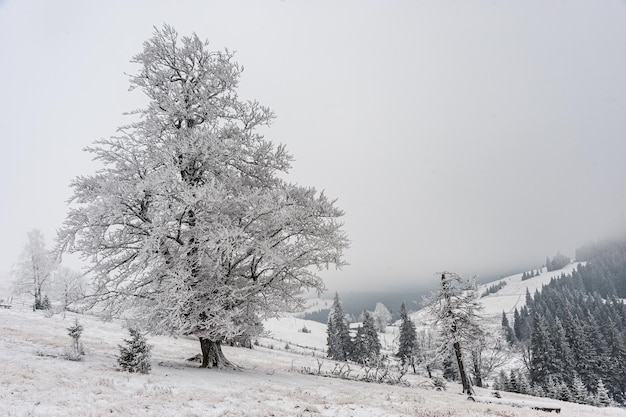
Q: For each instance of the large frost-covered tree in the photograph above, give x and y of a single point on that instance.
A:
(34, 269)
(455, 311)
(190, 225)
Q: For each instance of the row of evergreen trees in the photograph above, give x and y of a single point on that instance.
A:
(518, 382)
(363, 347)
(529, 275)
(574, 330)
(492, 289)
(558, 262)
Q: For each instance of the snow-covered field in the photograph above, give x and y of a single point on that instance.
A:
(513, 294)
(36, 380)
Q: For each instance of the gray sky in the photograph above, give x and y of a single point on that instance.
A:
(477, 137)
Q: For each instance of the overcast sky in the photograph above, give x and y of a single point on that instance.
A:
(471, 136)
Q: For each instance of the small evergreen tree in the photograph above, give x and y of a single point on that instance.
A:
(77, 351)
(602, 395)
(408, 339)
(135, 356)
(45, 303)
(579, 391)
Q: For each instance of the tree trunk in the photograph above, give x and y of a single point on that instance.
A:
(467, 389)
(212, 355)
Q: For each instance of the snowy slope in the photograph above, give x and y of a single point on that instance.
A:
(35, 379)
(513, 294)
(508, 298)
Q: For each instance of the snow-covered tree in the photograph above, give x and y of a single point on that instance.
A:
(34, 269)
(407, 343)
(455, 311)
(68, 286)
(338, 334)
(77, 351)
(580, 394)
(366, 343)
(381, 316)
(426, 350)
(135, 355)
(542, 352)
(488, 352)
(190, 225)
(602, 399)
(509, 334)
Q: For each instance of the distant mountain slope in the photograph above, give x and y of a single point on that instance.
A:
(511, 296)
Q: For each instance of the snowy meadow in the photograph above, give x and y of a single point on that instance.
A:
(36, 379)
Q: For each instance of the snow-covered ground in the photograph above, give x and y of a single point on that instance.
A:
(513, 294)
(36, 380)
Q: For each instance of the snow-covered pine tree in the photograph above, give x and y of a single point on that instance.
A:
(190, 225)
(45, 303)
(357, 351)
(407, 343)
(135, 356)
(602, 398)
(580, 394)
(337, 333)
(75, 331)
(542, 352)
(509, 334)
(371, 343)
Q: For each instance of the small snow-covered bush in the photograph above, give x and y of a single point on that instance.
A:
(135, 356)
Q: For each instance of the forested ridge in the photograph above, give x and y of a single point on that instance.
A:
(574, 330)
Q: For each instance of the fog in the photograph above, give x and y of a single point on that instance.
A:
(476, 137)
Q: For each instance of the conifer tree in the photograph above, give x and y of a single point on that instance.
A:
(75, 331)
(542, 351)
(338, 335)
(370, 342)
(563, 360)
(408, 339)
(135, 356)
(580, 393)
(602, 395)
(509, 334)
(357, 351)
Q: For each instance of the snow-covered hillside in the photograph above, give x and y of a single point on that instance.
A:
(36, 380)
(511, 296)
